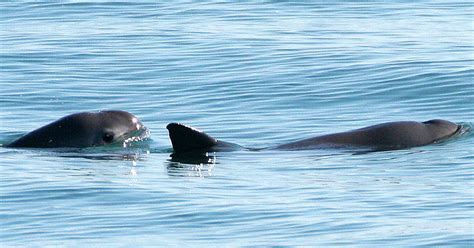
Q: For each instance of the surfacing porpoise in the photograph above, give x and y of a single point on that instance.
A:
(85, 129)
(385, 136)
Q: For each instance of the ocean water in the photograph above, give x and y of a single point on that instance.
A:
(256, 74)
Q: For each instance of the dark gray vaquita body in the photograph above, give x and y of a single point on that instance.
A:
(85, 129)
(385, 136)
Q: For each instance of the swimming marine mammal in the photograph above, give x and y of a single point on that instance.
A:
(385, 136)
(85, 129)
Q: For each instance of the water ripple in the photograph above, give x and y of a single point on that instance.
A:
(258, 74)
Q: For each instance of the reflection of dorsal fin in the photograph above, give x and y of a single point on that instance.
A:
(186, 139)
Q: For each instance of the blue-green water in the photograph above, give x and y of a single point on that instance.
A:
(257, 74)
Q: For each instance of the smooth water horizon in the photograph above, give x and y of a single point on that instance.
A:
(254, 73)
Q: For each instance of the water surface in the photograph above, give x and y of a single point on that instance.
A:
(257, 74)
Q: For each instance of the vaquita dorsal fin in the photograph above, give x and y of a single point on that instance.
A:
(186, 139)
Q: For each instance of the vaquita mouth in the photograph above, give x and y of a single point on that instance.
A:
(127, 139)
(138, 135)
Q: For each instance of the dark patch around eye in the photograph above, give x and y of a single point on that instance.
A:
(108, 137)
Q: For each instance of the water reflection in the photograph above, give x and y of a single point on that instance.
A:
(122, 156)
(191, 165)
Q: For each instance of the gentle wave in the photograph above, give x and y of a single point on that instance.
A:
(257, 74)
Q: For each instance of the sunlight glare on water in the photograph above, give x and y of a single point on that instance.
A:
(257, 74)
